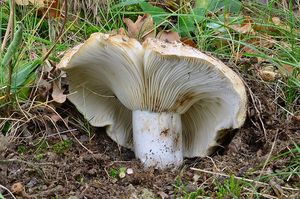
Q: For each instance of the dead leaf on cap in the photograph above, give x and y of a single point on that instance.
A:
(142, 28)
(58, 93)
(168, 36)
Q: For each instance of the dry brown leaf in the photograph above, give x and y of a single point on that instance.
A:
(286, 69)
(189, 42)
(296, 118)
(168, 36)
(276, 20)
(267, 75)
(142, 28)
(58, 93)
(51, 8)
(245, 27)
(17, 188)
(264, 41)
(55, 118)
(119, 31)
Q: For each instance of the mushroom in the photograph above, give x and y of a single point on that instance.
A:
(162, 99)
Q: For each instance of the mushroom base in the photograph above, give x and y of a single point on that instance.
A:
(157, 138)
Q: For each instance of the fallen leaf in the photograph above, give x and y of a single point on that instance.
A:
(168, 36)
(50, 7)
(286, 69)
(189, 42)
(267, 75)
(263, 41)
(296, 118)
(119, 31)
(245, 27)
(142, 28)
(55, 118)
(276, 20)
(17, 188)
(58, 93)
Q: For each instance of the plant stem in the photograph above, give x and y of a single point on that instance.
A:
(10, 25)
(10, 65)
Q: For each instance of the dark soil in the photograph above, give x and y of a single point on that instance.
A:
(51, 165)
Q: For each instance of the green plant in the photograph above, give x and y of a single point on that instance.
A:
(229, 188)
(39, 156)
(41, 146)
(288, 164)
(62, 146)
(180, 189)
(21, 149)
(194, 194)
(1, 196)
(120, 172)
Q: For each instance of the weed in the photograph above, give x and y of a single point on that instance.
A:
(41, 146)
(21, 149)
(113, 173)
(230, 188)
(287, 165)
(39, 156)
(120, 172)
(62, 146)
(180, 189)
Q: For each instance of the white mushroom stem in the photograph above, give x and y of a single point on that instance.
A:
(157, 138)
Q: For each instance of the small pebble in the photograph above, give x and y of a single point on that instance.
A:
(129, 171)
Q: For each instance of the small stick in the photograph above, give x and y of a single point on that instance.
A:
(12, 195)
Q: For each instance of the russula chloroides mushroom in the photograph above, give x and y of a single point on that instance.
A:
(164, 100)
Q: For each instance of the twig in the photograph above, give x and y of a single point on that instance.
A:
(12, 195)
(28, 163)
(240, 178)
(262, 194)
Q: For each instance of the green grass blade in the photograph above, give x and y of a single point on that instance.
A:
(21, 77)
(12, 48)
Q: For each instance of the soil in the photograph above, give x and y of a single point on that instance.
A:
(38, 162)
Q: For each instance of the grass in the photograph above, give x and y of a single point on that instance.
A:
(213, 28)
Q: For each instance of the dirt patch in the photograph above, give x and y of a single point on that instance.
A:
(76, 165)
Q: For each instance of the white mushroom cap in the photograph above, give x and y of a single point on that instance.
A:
(112, 75)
